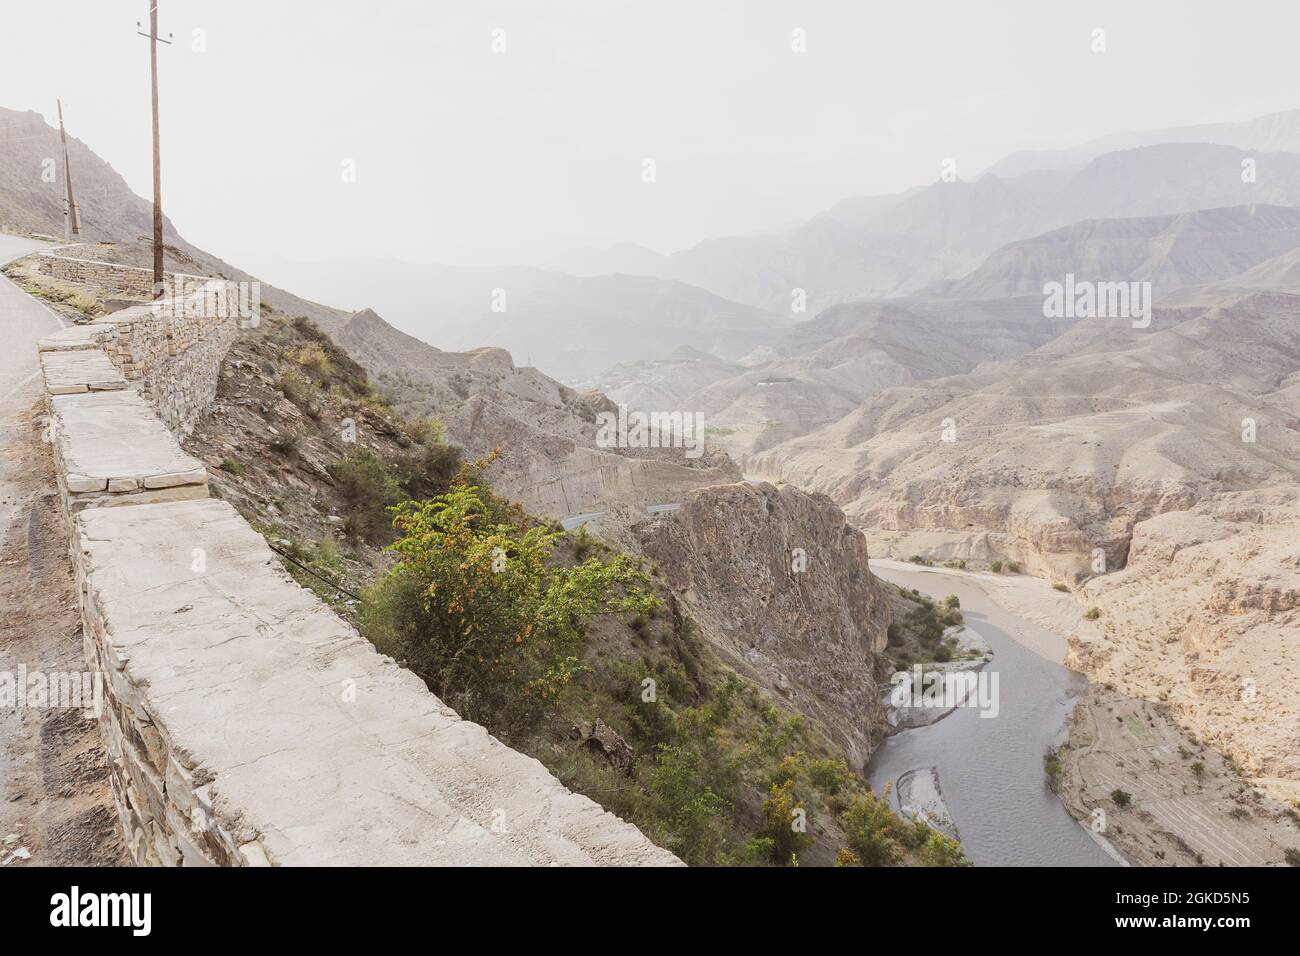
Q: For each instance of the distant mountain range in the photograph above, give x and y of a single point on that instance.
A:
(571, 326)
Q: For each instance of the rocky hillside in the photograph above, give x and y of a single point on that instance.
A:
(543, 433)
(1204, 617)
(1063, 450)
(570, 326)
(1169, 251)
(779, 584)
(823, 368)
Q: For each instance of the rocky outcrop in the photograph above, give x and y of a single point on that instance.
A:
(543, 433)
(1205, 618)
(779, 584)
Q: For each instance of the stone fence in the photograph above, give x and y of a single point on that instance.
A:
(169, 350)
(246, 723)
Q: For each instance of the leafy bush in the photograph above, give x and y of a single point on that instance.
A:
(1052, 767)
(1122, 798)
(870, 829)
(1092, 613)
(778, 815)
(1058, 586)
(829, 776)
(231, 466)
(368, 490)
(996, 567)
(1013, 567)
(939, 850)
(312, 357)
(475, 607)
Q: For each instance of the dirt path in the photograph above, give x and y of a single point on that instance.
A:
(55, 804)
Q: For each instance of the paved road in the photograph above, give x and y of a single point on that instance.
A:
(23, 320)
(574, 522)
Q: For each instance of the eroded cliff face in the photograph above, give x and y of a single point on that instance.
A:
(778, 582)
(544, 433)
(1206, 617)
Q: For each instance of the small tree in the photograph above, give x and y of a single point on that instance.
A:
(779, 823)
(869, 827)
(476, 608)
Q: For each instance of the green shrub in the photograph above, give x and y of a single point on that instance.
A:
(231, 466)
(870, 828)
(368, 490)
(939, 850)
(1291, 856)
(1058, 586)
(778, 815)
(476, 608)
(996, 567)
(1053, 768)
(829, 776)
(1092, 614)
(1013, 567)
(1122, 798)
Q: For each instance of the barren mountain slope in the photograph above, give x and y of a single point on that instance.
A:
(944, 230)
(544, 432)
(1168, 251)
(1273, 132)
(571, 326)
(1062, 450)
(832, 362)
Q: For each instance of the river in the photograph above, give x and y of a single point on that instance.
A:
(991, 768)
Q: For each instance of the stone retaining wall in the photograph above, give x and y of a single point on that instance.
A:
(109, 276)
(246, 723)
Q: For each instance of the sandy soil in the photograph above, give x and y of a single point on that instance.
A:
(55, 805)
(1176, 816)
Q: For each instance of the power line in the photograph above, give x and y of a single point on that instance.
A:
(292, 560)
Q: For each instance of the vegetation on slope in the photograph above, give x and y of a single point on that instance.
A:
(564, 648)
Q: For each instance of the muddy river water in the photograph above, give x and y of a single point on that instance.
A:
(991, 768)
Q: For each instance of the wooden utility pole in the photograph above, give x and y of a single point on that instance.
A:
(154, 39)
(71, 217)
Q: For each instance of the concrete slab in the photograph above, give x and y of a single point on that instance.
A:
(73, 338)
(311, 747)
(80, 370)
(114, 436)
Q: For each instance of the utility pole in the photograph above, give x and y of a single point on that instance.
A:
(154, 39)
(71, 215)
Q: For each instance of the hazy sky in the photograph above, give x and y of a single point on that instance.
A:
(464, 155)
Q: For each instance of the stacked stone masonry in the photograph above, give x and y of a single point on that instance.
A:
(169, 351)
(246, 723)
